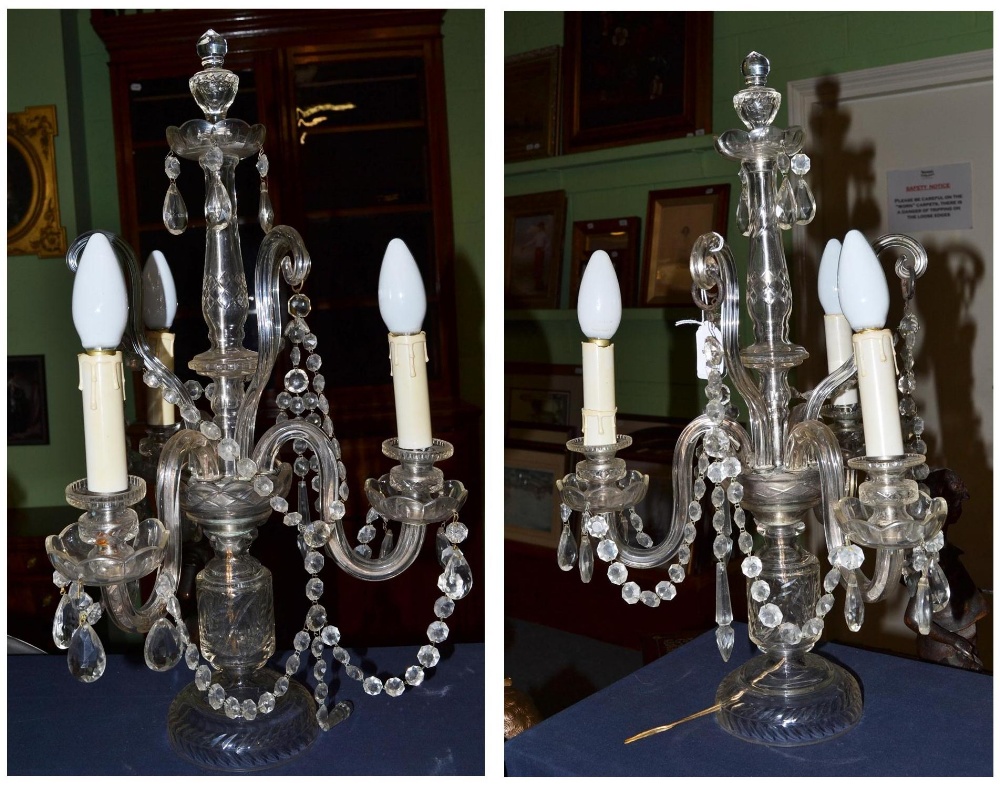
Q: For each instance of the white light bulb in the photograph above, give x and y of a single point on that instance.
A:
(159, 294)
(829, 266)
(599, 305)
(864, 294)
(401, 297)
(100, 300)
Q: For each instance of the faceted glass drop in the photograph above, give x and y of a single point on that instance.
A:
(789, 633)
(437, 632)
(586, 559)
(940, 590)
(387, 544)
(456, 580)
(666, 590)
(831, 580)
(922, 606)
(607, 550)
(444, 607)
(163, 647)
(175, 213)
(265, 214)
(86, 657)
(723, 602)
(218, 206)
(643, 540)
(743, 213)
(394, 686)
(372, 686)
(617, 573)
(760, 590)
(854, 608)
(631, 592)
(443, 546)
(203, 677)
(66, 621)
(785, 208)
(725, 638)
(769, 615)
(428, 656)
(566, 552)
(805, 203)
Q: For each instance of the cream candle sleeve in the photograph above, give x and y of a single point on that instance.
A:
(102, 385)
(839, 349)
(599, 427)
(408, 359)
(158, 410)
(876, 362)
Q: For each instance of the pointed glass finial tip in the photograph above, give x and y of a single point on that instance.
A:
(212, 48)
(756, 67)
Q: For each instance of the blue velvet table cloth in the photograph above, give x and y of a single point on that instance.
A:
(59, 726)
(920, 719)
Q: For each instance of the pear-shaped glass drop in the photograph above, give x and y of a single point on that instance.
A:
(784, 207)
(175, 213)
(723, 601)
(443, 547)
(65, 622)
(163, 648)
(940, 590)
(922, 606)
(586, 558)
(456, 580)
(86, 657)
(854, 607)
(265, 214)
(566, 552)
(805, 203)
(387, 544)
(743, 212)
(218, 206)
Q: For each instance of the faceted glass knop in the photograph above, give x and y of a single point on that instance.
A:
(316, 617)
(631, 592)
(266, 703)
(769, 615)
(394, 686)
(414, 675)
(760, 590)
(211, 430)
(456, 532)
(444, 607)
(203, 677)
(245, 469)
(617, 573)
(676, 572)
(745, 542)
(751, 567)
(428, 656)
(366, 533)
(597, 526)
(299, 305)
(314, 589)
(649, 598)
(437, 632)
(163, 648)
(789, 633)
(372, 686)
(228, 449)
(824, 604)
(831, 580)
(217, 695)
(644, 540)
(607, 550)
(296, 380)
(666, 590)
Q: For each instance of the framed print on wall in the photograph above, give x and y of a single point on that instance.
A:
(27, 409)
(531, 104)
(674, 220)
(530, 501)
(635, 76)
(34, 226)
(620, 239)
(534, 228)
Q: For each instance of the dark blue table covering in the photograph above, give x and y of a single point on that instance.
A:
(59, 726)
(920, 719)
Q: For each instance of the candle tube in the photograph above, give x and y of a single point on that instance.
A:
(599, 310)
(836, 327)
(864, 298)
(100, 311)
(403, 305)
(159, 307)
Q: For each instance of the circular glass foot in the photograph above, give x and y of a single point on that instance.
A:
(797, 699)
(211, 740)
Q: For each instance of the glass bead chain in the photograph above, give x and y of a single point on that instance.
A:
(906, 384)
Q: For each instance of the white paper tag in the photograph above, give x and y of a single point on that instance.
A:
(705, 330)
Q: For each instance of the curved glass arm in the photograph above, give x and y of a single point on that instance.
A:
(687, 442)
(134, 329)
(376, 569)
(713, 269)
(914, 264)
(828, 386)
(282, 253)
(183, 448)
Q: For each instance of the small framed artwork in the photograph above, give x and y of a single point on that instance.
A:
(34, 226)
(542, 402)
(27, 409)
(620, 239)
(530, 500)
(531, 104)
(635, 76)
(534, 228)
(674, 220)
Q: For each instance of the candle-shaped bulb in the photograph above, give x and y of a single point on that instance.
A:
(599, 306)
(864, 294)
(401, 297)
(159, 294)
(100, 300)
(829, 266)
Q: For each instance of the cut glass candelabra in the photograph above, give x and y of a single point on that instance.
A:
(239, 714)
(792, 460)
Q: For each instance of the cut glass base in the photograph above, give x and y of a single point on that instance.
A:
(799, 699)
(211, 740)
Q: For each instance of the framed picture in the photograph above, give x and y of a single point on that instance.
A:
(542, 402)
(635, 76)
(535, 225)
(27, 410)
(674, 220)
(531, 104)
(34, 226)
(620, 239)
(530, 501)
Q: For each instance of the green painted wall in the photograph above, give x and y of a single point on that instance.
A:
(54, 57)
(654, 362)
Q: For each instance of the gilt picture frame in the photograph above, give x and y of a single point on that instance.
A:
(34, 224)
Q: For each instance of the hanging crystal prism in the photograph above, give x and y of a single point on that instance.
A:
(723, 601)
(66, 621)
(456, 580)
(566, 552)
(743, 206)
(940, 589)
(387, 544)
(805, 203)
(725, 638)
(854, 604)
(218, 206)
(86, 657)
(175, 214)
(586, 558)
(163, 648)
(784, 208)
(922, 606)
(265, 214)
